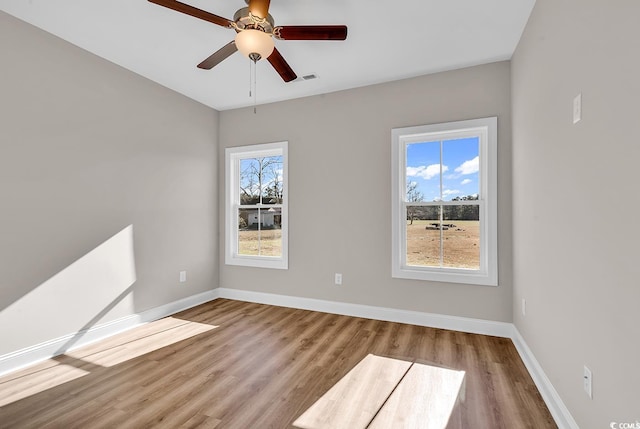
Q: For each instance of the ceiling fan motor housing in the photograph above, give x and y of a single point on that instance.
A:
(245, 20)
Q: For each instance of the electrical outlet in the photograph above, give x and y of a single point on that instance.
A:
(183, 276)
(524, 307)
(338, 279)
(588, 382)
(577, 108)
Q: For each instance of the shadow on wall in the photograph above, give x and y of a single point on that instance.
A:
(97, 287)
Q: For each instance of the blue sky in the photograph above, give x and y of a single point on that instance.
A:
(460, 161)
(272, 171)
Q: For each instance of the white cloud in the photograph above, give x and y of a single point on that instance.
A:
(466, 182)
(469, 167)
(447, 192)
(426, 172)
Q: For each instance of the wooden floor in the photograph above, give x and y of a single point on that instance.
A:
(230, 364)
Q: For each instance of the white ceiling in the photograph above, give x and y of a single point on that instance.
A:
(388, 40)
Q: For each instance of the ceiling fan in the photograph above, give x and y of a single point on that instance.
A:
(255, 32)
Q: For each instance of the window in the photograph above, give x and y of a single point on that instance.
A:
(256, 206)
(445, 202)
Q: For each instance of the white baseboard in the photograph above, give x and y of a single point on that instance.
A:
(454, 323)
(558, 410)
(39, 352)
(177, 306)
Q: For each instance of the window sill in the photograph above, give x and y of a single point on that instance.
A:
(258, 262)
(446, 276)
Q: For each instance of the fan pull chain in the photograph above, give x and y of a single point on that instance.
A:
(250, 71)
(255, 86)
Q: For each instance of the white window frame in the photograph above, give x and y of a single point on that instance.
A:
(486, 130)
(233, 156)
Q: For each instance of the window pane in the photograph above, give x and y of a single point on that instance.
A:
(461, 243)
(461, 162)
(248, 233)
(271, 242)
(423, 236)
(423, 171)
(260, 232)
(261, 180)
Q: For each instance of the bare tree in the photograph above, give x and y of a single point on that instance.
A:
(256, 175)
(275, 189)
(247, 185)
(413, 196)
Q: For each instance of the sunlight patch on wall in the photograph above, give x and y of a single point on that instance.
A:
(77, 297)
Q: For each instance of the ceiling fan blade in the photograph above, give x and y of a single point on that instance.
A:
(284, 70)
(219, 56)
(311, 32)
(190, 10)
(259, 8)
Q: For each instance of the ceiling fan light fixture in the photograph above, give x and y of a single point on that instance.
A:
(254, 44)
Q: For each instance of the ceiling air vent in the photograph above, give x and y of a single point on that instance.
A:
(310, 76)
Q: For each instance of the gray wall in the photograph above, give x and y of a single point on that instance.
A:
(107, 190)
(340, 187)
(575, 187)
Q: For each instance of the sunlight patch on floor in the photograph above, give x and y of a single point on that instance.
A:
(139, 341)
(37, 380)
(106, 353)
(381, 392)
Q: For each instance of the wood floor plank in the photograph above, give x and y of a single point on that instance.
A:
(261, 367)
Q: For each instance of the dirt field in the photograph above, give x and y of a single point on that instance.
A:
(461, 244)
(270, 242)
